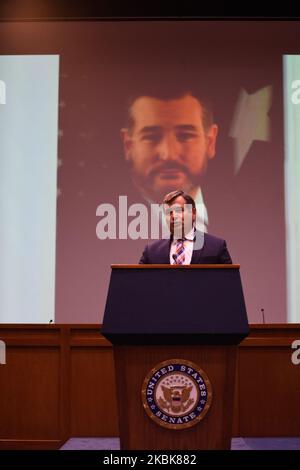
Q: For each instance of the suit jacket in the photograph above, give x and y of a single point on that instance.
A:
(214, 251)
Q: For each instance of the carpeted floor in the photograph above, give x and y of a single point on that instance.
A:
(239, 443)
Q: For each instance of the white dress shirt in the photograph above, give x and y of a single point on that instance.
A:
(188, 244)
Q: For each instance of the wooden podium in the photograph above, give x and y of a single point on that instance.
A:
(175, 331)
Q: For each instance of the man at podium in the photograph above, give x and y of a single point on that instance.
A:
(187, 244)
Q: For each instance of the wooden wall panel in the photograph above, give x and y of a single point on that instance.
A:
(92, 384)
(268, 384)
(30, 394)
(93, 393)
(30, 388)
(269, 393)
(59, 382)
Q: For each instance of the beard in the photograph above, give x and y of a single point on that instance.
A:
(164, 178)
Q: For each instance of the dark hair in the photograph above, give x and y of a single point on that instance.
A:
(170, 197)
(167, 92)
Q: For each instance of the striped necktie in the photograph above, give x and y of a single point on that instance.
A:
(180, 255)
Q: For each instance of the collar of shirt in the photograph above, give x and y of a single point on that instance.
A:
(188, 243)
(189, 237)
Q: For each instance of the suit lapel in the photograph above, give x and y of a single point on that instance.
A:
(164, 252)
(198, 254)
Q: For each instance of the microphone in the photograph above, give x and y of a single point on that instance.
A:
(263, 314)
(174, 256)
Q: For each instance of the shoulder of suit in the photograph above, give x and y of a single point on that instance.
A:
(207, 237)
(157, 243)
(213, 238)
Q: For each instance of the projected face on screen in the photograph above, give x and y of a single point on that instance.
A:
(168, 144)
(60, 122)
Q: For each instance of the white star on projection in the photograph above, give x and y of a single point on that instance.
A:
(250, 122)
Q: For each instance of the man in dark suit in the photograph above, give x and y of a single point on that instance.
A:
(186, 244)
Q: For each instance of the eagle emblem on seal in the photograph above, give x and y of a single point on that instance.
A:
(176, 399)
(176, 394)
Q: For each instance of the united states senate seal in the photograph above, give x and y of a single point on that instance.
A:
(176, 394)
